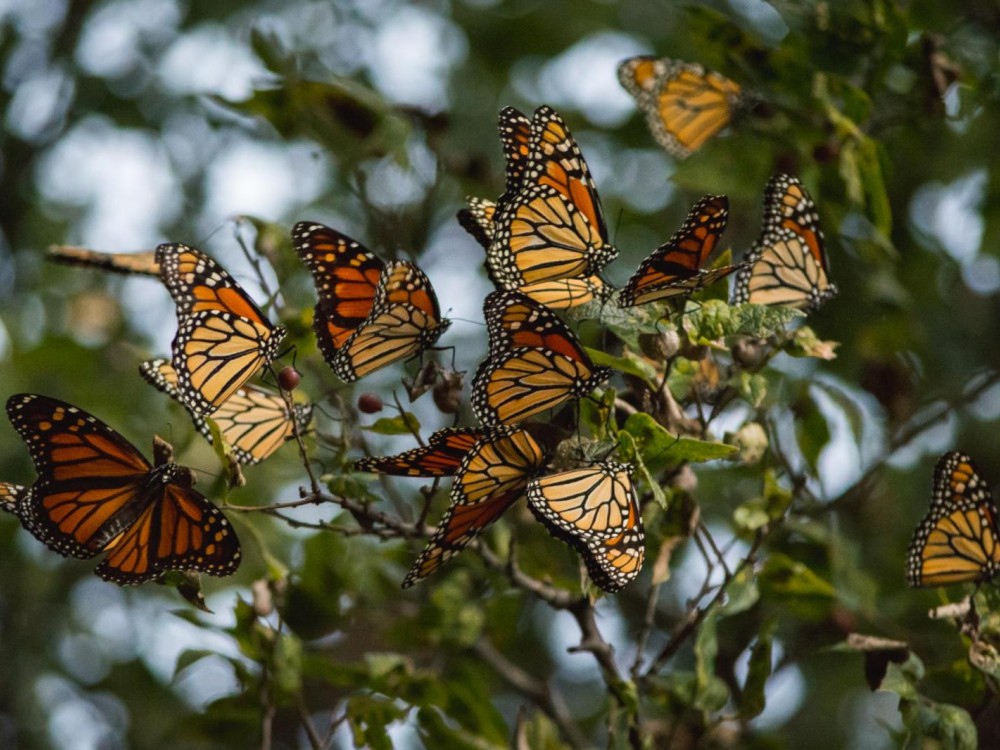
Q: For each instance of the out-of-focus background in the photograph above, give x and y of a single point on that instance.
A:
(127, 123)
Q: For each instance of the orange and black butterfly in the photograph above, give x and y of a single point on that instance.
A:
(254, 422)
(441, 457)
(370, 313)
(675, 268)
(492, 475)
(596, 511)
(958, 541)
(96, 494)
(553, 226)
(141, 263)
(685, 104)
(787, 265)
(535, 362)
(479, 220)
(222, 338)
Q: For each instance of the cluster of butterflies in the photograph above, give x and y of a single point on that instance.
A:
(546, 245)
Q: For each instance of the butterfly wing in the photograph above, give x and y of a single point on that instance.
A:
(535, 362)
(596, 511)
(787, 265)
(13, 499)
(254, 422)
(140, 263)
(346, 276)
(404, 320)
(515, 140)
(441, 457)
(477, 220)
(87, 473)
(685, 105)
(222, 336)
(493, 474)
(958, 540)
(675, 268)
(178, 530)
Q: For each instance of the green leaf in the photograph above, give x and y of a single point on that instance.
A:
(402, 424)
(811, 429)
(742, 593)
(629, 363)
(753, 388)
(769, 507)
(711, 693)
(660, 448)
(752, 698)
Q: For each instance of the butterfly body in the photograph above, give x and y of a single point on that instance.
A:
(97, 494)
(958, 541)
(685, 105)
(222, 338)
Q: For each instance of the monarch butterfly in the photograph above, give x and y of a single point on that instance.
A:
(958, 540)
(492, 475)
(441, 457)
(254, 422)
(535, 362)
(553, 226)
(787, 265)
(222, 336)
(369, 314)
(96, 493)
(141, 263)
(558, 294)
(675, 268)
(685, 104)
(596, 511)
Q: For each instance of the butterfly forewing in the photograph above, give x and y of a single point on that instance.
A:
(787, 265)
(441, 457)
(675, 268)
(958, 540)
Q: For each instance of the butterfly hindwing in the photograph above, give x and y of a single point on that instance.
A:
(254, 422)
(595, 510)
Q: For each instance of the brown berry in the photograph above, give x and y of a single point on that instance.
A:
(369, 403)
(289, 378)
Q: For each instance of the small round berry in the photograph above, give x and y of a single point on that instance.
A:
(289, 378)
(369, 403)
